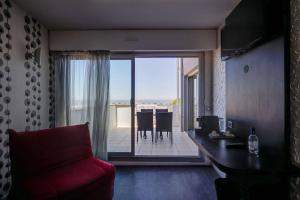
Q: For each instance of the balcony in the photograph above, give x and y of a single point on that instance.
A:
(119, 136)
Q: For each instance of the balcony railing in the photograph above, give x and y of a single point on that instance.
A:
(120, 114)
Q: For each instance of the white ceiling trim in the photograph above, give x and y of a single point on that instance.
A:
(128, 14)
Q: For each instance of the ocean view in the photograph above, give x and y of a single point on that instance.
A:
(77, 104)
(161, 102)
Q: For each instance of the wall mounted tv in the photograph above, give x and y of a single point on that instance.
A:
(250, 24)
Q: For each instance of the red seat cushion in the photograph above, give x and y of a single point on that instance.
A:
(71, 180)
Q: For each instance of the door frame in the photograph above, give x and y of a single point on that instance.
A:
(132, 105)
(130, 156)
(190, 87)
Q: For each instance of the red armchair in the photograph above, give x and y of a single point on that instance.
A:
(58, 164)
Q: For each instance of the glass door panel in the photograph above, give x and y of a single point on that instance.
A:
(120, 123)
(193, 101)
(196, 101)
(157, 88)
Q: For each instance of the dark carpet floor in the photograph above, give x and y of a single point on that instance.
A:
(165, 183)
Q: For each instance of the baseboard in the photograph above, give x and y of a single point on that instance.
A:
(145, 163)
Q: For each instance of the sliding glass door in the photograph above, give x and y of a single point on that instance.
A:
(120, 135)
(196, 101)
(142, 84)
(193, 100)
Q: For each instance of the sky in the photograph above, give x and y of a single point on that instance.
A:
(77, 79)
(155, 78)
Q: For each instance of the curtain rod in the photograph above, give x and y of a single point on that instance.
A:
(78, 52)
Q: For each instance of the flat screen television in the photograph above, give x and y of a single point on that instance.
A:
(250, 24)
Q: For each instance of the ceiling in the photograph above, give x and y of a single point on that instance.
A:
(128, 14)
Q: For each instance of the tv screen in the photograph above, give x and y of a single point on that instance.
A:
(251, 23)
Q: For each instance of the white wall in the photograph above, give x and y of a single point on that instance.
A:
(219, 83)
(208, 82)
(134, 40)
(190, 64)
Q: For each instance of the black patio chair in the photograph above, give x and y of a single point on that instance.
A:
(144, 124)
(147, 110)
(161, 110)
(164, 124)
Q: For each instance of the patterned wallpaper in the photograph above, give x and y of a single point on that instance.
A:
(51, 89)
(23, 79)
(295, 93)
(5, 94)
(33, 73)
(218, 84)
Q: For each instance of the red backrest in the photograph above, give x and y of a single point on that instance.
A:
(37, 152)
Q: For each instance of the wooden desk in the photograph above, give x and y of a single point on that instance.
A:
(237, 161)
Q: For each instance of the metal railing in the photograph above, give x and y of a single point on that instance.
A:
(120, 114)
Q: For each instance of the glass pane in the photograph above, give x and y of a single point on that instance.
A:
(157, 86)
(119, 136)
(196, 100)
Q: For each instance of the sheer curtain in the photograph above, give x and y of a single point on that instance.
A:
(82, 94)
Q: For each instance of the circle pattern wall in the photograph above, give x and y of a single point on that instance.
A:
(51, 89)
(32, 66)
(5, 91)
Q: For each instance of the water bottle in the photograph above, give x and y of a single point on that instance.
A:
(253, 142)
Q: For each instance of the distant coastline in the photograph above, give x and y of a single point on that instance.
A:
(158, 102)
(143, 101)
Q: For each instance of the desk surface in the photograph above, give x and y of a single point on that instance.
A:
(236, 161)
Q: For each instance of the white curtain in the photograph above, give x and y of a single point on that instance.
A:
(82, 94)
